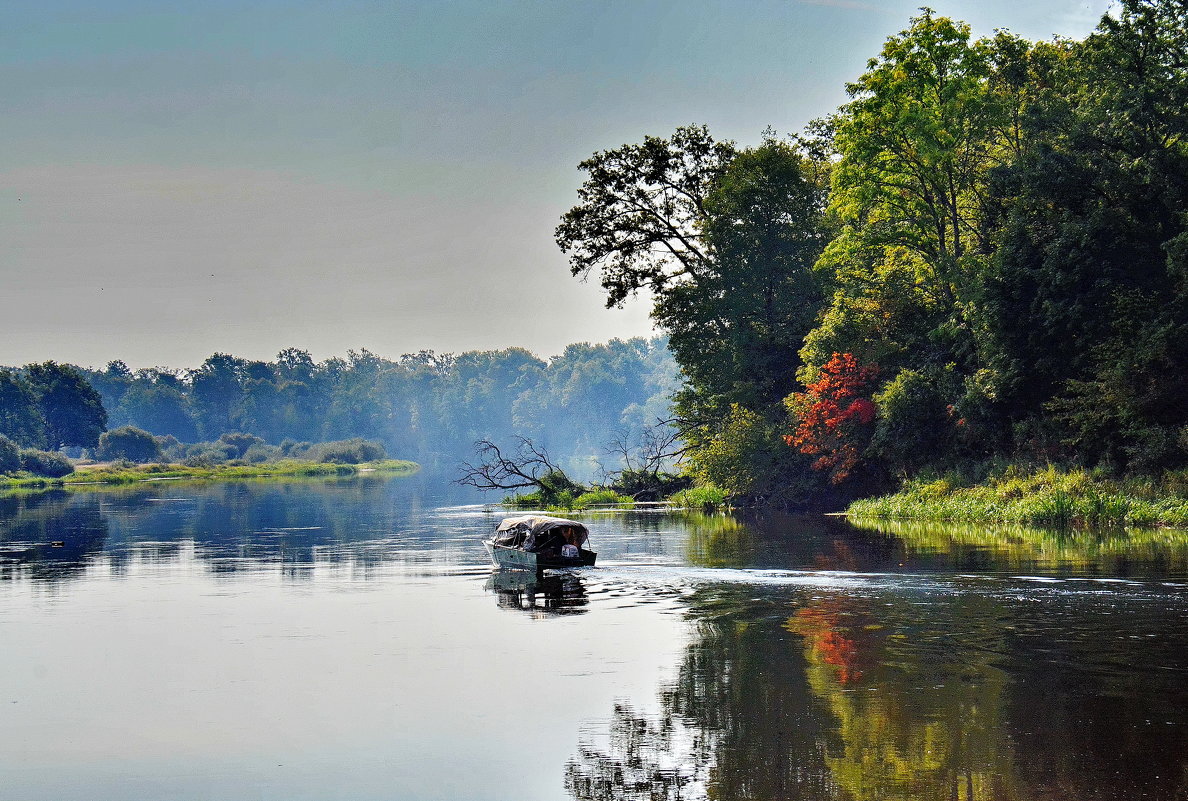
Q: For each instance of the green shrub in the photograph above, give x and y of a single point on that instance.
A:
(10, 455)
(128, 442)
(44, 463)
(205, 454)
(602, 497)
(261, 452)
(915, 425)
(347, 451)
(564, 500)
(171, 449)
(644, 485)
(706, 498)
(529, 500)
(239, 442)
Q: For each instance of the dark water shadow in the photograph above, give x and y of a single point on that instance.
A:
(548, 595)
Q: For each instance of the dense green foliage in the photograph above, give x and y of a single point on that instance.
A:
(10, 455)
(46, 464)
(424, 406)
(725, 240)
(20, 414)
(991, 233)
(71, 408)
(130, 443)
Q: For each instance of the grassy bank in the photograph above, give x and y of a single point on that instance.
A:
(568, 502)
(700, 498)
(128, 474)
(1025, 548)
(1048, 498)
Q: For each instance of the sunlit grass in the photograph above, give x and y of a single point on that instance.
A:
(705, 498)
(566, 501)
(1047, 498)
(129, 474)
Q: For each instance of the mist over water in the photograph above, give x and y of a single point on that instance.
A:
(348, 639)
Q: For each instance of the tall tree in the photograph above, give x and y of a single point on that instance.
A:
(217, 391)
(927, 125)
(156, 401)
(20, 415)
(73, 410)
(725, 240)
(737, 333)
(916, 142)
(1088, 308)
(641, 211)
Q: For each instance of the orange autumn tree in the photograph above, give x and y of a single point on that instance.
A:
(834, 415)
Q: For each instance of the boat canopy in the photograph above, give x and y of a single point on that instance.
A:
(537, 530)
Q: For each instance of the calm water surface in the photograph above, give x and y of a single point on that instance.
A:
(348, 640)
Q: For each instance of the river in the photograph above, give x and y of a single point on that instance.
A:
(347, 639)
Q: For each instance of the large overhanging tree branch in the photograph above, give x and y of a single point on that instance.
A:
(641, 212)
(528, 465)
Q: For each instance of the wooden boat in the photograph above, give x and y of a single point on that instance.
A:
(538, 542)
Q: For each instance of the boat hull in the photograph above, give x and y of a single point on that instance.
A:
(517, 559)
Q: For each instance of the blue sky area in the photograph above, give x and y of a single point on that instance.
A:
(180, 179)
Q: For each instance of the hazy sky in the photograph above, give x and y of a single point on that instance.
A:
(179, 179)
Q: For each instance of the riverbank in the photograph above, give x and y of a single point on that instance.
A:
(1047, 498)
(705, 499)
(129, 474)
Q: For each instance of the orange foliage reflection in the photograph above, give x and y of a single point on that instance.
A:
(827, 637)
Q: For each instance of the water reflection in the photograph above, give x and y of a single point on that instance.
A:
(359, 523)
(48, 535)
(959, 692)
(979, 547)
(809, 657)
(542, 595)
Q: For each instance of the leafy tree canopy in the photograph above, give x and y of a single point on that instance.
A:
(72, 409)
(20, 414)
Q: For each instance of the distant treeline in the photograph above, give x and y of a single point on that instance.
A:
(423, 406)
(981, 258)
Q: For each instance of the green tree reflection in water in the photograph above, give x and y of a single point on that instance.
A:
(1117, 552)
(737, 722)
(916, 682)
(909, 722)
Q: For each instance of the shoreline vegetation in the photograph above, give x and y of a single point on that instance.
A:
(700, 499)
(978, 259)
(116, 473)
(1050, 498)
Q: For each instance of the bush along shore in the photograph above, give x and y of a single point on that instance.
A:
(704, 499)
(120, 473)
(1049, 497)
(127, 473)
(131, 454)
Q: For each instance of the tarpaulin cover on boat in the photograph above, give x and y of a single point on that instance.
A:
(516, 532)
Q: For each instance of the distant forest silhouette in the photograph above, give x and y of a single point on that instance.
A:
(424, 406)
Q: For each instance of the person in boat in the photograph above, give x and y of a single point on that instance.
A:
(560, 542)
(550, 538)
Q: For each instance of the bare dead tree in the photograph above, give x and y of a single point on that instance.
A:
(653, 448)
(528, 465)
(646, 460)
(661, 444)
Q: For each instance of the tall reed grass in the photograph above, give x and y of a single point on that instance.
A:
(1048, 498)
